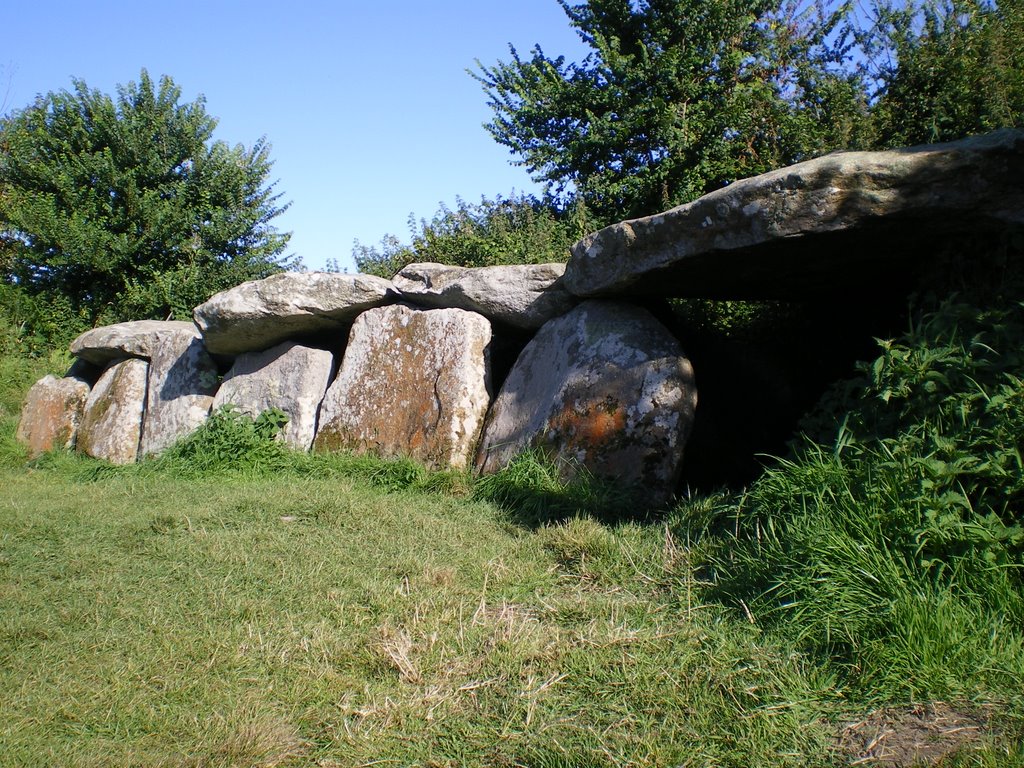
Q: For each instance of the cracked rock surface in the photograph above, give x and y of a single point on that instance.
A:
(414, 383)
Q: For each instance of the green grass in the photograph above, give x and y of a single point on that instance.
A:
(163, 621)
(234, 603)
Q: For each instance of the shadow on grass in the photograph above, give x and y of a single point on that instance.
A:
(534, 490)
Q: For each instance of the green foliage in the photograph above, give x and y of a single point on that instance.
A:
(675, 99)
(516, 230)
(680, 97)
(894, 543)
(35, 324)
(945, 69)
(229, 442)
(128, 208)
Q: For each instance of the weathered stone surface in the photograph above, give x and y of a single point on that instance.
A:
(412, 383)
(606, 387)
(112, 423)
(261, 313)
(831, 224)
(289, 376)
(181, 385)
(52, 413)
(521, 295)
(100, 346)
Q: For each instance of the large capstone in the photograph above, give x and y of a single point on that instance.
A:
(412, 383)
(519, 295)
(261, 313)
(52, 413)
(605, 387)
(182, 382)
(138, 338)
(112, 424)
(842, 222)
(290, 377)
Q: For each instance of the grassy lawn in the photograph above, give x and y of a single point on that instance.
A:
(306, 622)
(151, 620)
(234, 604)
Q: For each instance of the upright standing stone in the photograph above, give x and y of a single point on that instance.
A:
(182, 383)
(112, 424)
(52, 413)
(606, 387)
(413, 382)
(290, 377)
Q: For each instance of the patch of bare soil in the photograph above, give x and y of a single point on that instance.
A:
(913, 737)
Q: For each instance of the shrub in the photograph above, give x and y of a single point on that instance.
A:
(892, 540)
(514, 230)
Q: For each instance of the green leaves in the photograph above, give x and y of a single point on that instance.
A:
(515, 230)
(949, 68)
(109, 203)
(680, 97)
(676, 98)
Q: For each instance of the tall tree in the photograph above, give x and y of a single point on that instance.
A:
(945, 69)
(128, 208)
(676, 98)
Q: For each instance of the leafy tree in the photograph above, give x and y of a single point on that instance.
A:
(676, 98)
(513, 230)
(127, 208)
(945, 69)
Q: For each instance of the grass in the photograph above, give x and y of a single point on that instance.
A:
(165, 621)
(237, 604)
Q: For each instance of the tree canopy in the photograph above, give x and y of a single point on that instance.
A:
(945, 69)
(680, 97)
(676, 98)
(128, 208)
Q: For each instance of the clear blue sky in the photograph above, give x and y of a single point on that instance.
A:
(368, 107)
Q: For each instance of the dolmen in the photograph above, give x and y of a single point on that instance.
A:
(407, 366)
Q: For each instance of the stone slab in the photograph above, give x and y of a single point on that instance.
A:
(519, 295)
(414, 383)
(261, 313)
(845, 221)
(107, 343)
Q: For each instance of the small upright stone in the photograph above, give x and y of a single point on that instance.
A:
(290, 377)
(182, 382)
(52, 414)
(412, 383)
(606, 387)
(112, 424)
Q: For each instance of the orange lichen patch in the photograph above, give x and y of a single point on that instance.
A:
(412, 383)
(589, 428)
(52, 412)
